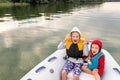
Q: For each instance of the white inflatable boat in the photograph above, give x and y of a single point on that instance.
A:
(50, 68)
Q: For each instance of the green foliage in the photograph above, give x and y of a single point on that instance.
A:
(5, 1)
(45, 1)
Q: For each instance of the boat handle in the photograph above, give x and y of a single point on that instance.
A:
(29, 79)
(52, 58)
(116, 69)
(39, 69)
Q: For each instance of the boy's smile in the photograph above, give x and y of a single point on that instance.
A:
(95, 49)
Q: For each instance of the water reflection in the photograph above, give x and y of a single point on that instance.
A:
(26, 12)
(23, 48)
(7, 40)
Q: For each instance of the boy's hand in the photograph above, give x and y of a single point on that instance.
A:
(89, 60)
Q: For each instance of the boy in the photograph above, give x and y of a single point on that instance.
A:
(74, 48)
(96, 60)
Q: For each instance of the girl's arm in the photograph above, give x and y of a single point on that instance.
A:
(85, 50)
(85, 47)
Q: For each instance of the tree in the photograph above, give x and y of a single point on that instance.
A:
(15, 1)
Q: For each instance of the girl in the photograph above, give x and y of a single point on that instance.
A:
(75, 47)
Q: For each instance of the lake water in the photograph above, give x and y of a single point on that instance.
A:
(30, 34)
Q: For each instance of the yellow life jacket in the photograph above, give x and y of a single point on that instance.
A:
(80, 43)
(78, 53)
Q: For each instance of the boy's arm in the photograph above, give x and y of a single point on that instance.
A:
(101, 65)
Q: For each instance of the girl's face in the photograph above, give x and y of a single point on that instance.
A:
(95, 49)
(75, 37)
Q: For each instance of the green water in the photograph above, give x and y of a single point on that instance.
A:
(28, 34)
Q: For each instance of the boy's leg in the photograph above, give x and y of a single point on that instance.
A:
(75, 77)
(66, 69)
(95, 74)
(85, 69)
(77, 70)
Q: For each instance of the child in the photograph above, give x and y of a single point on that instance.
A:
(96, 60)
(74, 48)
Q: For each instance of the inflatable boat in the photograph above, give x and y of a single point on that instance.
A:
(50, 68)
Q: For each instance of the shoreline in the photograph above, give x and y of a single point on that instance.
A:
(13, 4)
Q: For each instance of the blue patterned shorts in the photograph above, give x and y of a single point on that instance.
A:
(76, 67)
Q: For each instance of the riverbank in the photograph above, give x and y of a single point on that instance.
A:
(39, 2)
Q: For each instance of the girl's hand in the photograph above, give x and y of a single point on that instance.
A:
(86, 41)
(67, 37)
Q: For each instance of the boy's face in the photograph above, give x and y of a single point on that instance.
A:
(75, 36)
(95, 49)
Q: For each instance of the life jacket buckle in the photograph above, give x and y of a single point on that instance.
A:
(65, 57)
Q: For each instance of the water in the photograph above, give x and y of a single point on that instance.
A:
(30, 34)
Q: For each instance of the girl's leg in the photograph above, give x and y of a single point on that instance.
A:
(95, 74)
(77, 70)
(64, 75)
(85, 69)
(66, 69)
